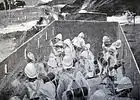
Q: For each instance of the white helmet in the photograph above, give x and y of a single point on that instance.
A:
(30, 70)
(81, 35)
(59, 43)
(117, 44)
(87, 46)
(112, 49)
(84, 54)
(67, 62)
(106, 38)
(59, 36)
(68, 42)
(31, 56)
(76, 42)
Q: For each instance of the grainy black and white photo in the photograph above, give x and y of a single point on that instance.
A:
(69, 49)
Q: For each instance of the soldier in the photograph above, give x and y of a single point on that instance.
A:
(117, 44)
(65, 79)
(89, 61)
(68, 54)
(111, 59)
(40, 67)
(79, 42)
(79, 46)
(37, 88)
(129, 16)
(106, 44)
(55, 58)
(32, 83)
(78, 89)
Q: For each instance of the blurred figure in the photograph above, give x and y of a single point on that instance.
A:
(38, 89)
(52, 14)
(64, 80)
(30, 57)
(106, 44)
(68, 54)
(56, 39)
(89, 61)
(40, 67)
(68, 75)
(79, 40)
(41, 22)
(47, 90)
(111, 58)
(79, 43)
(117, 44)
(55, 58)
(30, 61)
(78, 88)
(129, 16)
(32, 84)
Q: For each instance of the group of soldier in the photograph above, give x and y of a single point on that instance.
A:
(73, 73)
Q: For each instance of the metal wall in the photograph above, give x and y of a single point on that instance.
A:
(131, 67)
(38, 44)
